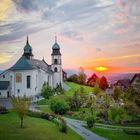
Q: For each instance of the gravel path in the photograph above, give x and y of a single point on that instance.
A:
(85, 133)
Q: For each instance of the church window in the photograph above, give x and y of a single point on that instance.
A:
(28, 81)
(18, 90)
(3, 76)
(55, 69)
(55, 61)
(18, 77)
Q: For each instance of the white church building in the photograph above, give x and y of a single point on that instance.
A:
(28, 75)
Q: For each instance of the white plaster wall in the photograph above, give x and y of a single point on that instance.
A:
(22, 86)
(3, 93)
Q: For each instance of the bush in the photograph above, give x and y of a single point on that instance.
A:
(3, 110)
(34, 114)
(62, 125)
(59, 106)
(90, 121)
(132, 131)
(46, 91)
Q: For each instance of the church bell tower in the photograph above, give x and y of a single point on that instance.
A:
(56, 64)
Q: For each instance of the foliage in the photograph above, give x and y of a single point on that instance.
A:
(91, 104)
(82, 76)
(34, 114)
(132, 131)
(62, 125)
(93, 80)
(3, 110)
(117, 93)
(59, 106)
(97, 91)
(46, 91)
(103, 84)
(59, 89)
(131, 101)
(116, 114)
(90, 121)
(21, 106)
(73, 78)
(75, 101)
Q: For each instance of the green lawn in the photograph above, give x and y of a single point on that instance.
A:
(42, 102)
(75, 86)
(35, 129)
(115, 134)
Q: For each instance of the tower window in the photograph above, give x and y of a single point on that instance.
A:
(3, 76)
(55, 61)
(55, 69)
(28, 81)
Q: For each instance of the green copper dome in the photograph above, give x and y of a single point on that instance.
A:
(56, 46)
(27, 48)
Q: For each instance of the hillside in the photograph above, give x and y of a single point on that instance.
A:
(75, 86)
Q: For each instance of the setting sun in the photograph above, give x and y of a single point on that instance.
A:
(101, 68)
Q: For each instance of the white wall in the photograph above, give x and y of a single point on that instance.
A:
(3, 93)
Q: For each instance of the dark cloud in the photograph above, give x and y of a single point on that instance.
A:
(34, 5)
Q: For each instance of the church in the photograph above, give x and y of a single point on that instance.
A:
(27, 75)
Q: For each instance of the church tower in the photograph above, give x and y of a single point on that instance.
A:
(56, 64)
(28, 50)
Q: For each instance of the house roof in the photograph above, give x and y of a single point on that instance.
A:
(4, 85)
(27, 64)
(124, 82)
(136, 75)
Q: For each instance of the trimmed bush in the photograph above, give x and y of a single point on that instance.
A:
(34, 114)
(62, 125)
(59, 106)
(3, 110)
(90, 121)
(132, 131)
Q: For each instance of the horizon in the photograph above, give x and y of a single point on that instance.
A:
(100, 36)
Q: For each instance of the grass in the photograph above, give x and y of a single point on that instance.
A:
(114, 134)
(35, 129)
(42, 102)
(45, 109)
(75, 86)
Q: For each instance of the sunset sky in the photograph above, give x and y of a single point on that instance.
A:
(91, 33)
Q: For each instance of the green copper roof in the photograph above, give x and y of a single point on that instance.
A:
(27, 48)
(56, 46)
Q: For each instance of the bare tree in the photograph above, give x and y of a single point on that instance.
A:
(21, 106)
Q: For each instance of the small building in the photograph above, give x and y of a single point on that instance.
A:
(135, 82)
(64, 75)
(123, 83)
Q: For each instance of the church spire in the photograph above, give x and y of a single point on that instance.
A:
(27, 49)
(55, 38)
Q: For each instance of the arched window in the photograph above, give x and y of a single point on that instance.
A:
(55, 61)
(55, 69)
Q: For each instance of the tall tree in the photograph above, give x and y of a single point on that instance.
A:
(82, 76)
(103, 83)
(21, 106)
(117, 94)
(46, 91)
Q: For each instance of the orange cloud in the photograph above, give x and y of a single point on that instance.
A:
(4, 57)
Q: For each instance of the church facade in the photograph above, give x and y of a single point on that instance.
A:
(28, 75)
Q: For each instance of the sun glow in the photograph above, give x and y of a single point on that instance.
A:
(101, 68)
